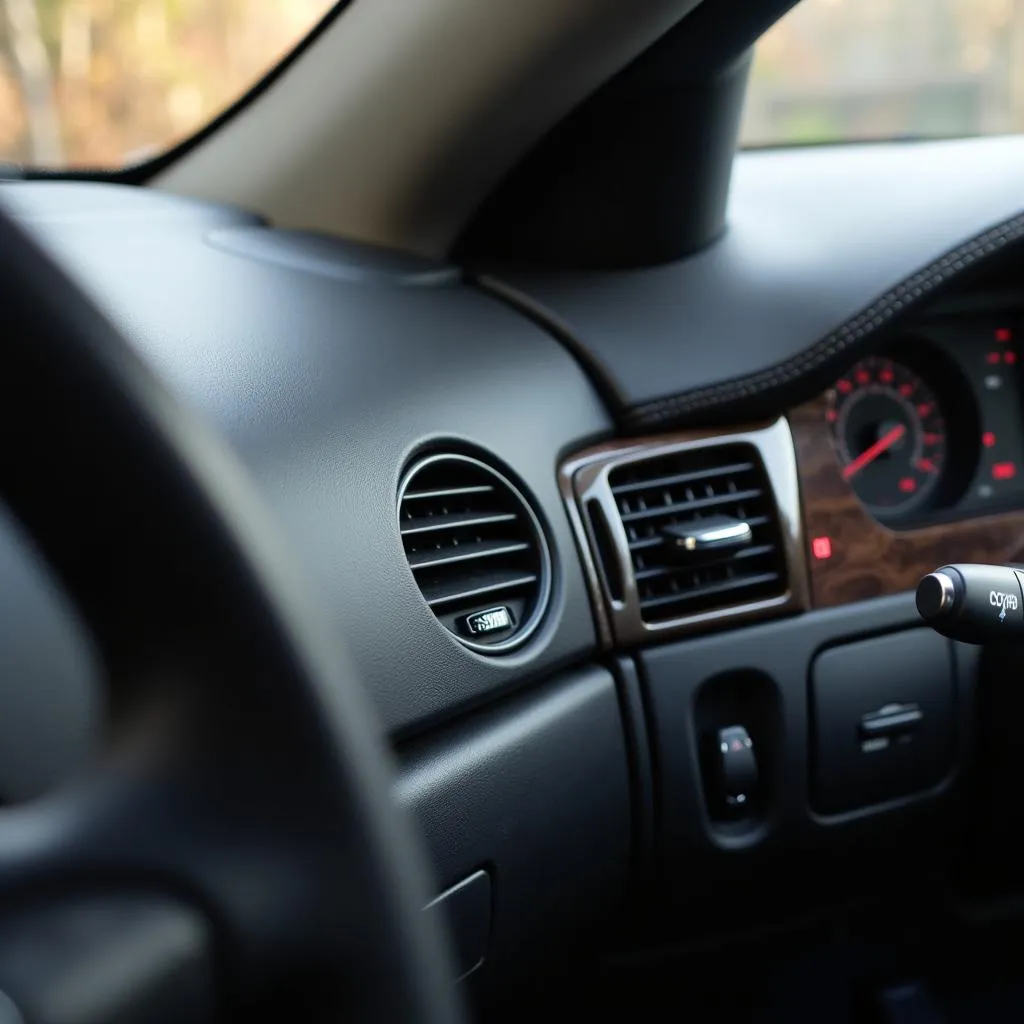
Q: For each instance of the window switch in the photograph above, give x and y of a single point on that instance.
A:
(737, 768)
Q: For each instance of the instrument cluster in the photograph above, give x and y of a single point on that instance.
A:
(931, 429)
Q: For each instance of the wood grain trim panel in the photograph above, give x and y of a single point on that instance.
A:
(868, 559)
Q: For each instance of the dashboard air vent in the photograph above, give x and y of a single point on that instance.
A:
(683, 515)
(476, 550)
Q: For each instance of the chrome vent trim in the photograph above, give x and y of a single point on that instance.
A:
(475, 547)
(638, 486)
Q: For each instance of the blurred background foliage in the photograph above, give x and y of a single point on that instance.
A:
(837, 70)
(101, 83)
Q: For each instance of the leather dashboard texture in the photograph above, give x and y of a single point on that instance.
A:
(825, 249)
(328, 366)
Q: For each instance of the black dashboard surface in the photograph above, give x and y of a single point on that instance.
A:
(814, 236)
(329, 365)
(327, 381)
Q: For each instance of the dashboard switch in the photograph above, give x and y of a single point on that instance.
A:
(882, 720)
(893, 723)
(737, 767)
(974, 603)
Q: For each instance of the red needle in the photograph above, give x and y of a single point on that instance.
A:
(870, 454)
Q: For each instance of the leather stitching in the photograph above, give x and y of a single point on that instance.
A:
(857, 331)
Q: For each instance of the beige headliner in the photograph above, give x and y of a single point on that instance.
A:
(399, 119)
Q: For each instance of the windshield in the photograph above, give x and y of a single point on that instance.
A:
(103, 83)
(849, 70)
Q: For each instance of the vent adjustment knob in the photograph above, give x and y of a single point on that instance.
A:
(713, 533)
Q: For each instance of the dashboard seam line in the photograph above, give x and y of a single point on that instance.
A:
(859, 329)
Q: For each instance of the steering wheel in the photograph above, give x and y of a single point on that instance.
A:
(233, 848)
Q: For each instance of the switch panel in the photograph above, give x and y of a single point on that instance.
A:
(883, 720)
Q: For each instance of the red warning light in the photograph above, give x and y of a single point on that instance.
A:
(831, 415)
(988, 439)
(906, 390)
(924, 409)
(1009, 358)
(993, 357)
(1004, 471)
(1004, 334)
(844, 386)
(863, 377)
(886, 376)
(908, 485)
(927, 466)
(821, 548)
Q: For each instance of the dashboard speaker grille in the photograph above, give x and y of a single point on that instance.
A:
(682, 490)
(476, 549)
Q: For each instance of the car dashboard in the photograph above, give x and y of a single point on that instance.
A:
(631, 622)
(949, 487)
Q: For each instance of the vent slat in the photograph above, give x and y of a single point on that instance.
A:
(431, 559)
(697, 504)
(710, 590)
(736, 557)
(476, 550)
(447, 492)
(441, 594)
(682, 478)
(461, 520)
(679, 487)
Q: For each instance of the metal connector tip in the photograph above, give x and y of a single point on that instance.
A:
(936, 595)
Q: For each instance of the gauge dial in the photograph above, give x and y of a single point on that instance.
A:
(890, 435)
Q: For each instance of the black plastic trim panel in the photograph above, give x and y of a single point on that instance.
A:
(537, 792)
(782, 652)
(642, 772)
(330, 367)
(786, 859)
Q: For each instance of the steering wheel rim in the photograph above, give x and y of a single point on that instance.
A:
(240, 778)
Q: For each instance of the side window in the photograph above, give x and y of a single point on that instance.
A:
(102, 83)
(849, 70)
